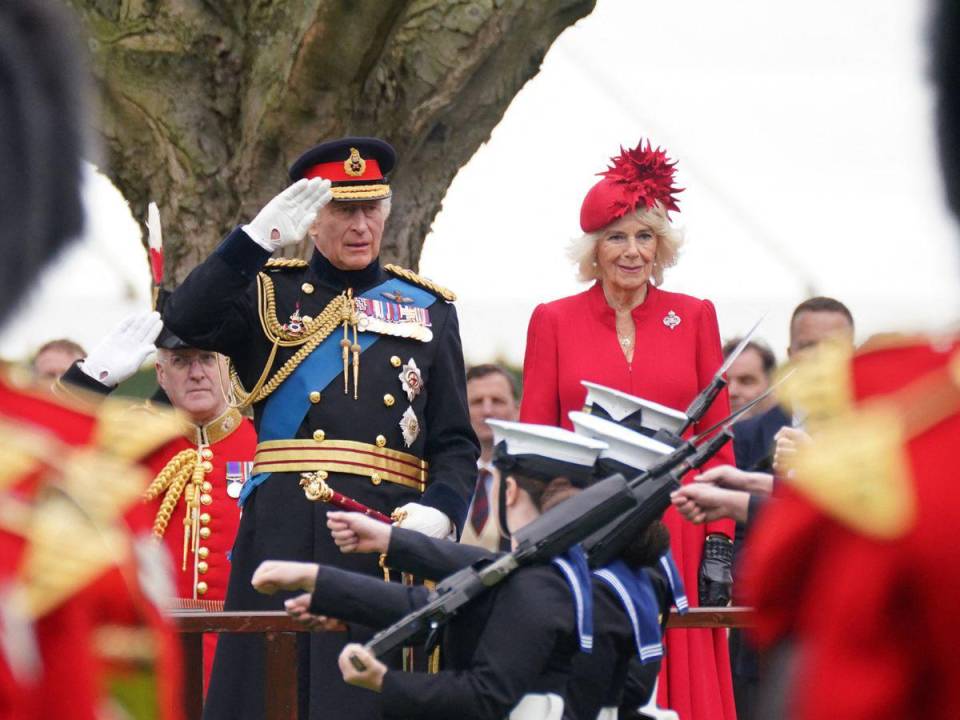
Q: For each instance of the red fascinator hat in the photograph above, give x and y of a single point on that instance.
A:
(636, 178)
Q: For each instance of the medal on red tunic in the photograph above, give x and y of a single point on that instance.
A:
(237, 474)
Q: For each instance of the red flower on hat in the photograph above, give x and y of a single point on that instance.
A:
(639, 177)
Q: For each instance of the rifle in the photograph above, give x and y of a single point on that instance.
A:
(583, 516)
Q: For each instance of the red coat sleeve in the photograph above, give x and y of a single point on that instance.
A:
(709, 359)
(540, 402)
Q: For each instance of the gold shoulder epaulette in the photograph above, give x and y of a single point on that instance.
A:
(283, 263)
(412, 277)
(131, 432)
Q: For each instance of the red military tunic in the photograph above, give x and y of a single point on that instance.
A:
(201, 577)
(677, 353)
(872, 619)
(59, 664)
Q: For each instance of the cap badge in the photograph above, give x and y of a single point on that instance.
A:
(354, 166)
(672, 320)
(411, 379)
(409, 426)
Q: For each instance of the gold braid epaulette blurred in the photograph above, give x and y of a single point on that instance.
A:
(412, 277)
(314, 332)
(286, 263)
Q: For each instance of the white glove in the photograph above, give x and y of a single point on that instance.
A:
(121, 353)
(286, 219)
(427, 520)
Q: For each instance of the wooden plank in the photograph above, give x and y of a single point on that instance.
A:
(192, 675)
(738, 617)
(281, 672)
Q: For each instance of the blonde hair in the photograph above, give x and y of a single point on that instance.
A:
(583, 250)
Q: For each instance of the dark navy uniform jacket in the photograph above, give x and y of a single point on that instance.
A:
(518, 638)
(216, 308)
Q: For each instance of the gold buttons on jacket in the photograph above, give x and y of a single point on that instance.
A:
(389, 400)
(206, 499)
(202, 567)
(206, 486)
(381, 441)
(319, 435)
(207, 466)
(315, 397)
(206, 454)
(396, 361)
(204, 518)
(307, 288)
(376, 479)
(201, 588)
(204, 532)
(203, 553)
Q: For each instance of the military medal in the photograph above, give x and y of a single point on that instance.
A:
(410, 426)
(411, 380)
(294, 325)
(671, 320)
(393, 318)
(237, 475)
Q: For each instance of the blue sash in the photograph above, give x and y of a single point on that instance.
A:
(573, 565)
(287, 406)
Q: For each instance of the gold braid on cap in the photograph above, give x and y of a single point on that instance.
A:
(411, 276)
(314, 332)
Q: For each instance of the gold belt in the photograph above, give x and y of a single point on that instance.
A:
(341, 456)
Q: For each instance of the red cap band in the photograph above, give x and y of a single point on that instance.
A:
(337, 171)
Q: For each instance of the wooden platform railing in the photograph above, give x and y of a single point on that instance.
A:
(279, 632)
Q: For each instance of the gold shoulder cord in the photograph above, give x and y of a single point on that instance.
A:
(411, 276)
(315, 331)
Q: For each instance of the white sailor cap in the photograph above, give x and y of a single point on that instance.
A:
(642, 416)
(627, 448)
(544, 451)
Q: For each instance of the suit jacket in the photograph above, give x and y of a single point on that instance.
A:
(753, 439)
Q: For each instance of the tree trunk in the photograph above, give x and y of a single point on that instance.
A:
(205, 103)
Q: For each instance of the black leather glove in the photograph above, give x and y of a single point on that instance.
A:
(716, 575)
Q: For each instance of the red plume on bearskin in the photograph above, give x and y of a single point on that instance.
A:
(640, 177)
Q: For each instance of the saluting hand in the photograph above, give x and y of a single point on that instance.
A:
(121, 353)
(287, 217)
(276, 575)
(355, 532)
(361, 668)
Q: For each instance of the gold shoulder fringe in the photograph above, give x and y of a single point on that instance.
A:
(411, 276)
(283, 263)
(132, 432)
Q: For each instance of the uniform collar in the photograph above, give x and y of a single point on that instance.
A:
(605, 313)
(343, 279)
(215, 430)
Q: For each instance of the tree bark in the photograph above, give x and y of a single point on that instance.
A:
(205, 103)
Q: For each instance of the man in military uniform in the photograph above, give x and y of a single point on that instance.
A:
(197, 475)
(853, 568)
(355, 373)
(77, 585)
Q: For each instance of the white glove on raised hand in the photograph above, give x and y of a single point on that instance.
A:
(121, 353)
(286, 219)
(427, 520)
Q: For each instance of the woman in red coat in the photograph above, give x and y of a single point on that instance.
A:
(626, 333)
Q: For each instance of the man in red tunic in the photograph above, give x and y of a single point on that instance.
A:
(199, 474)
(853, 566)
(77, 585)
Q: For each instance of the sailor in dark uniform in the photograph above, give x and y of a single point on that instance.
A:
(355, 374)
(509, 652)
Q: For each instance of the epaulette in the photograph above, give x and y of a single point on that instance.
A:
(283, 263)
(133, 431)
(819, 383)
(411, 277)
